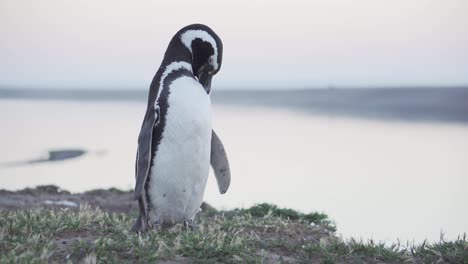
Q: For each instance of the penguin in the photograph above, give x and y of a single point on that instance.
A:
(177, 144)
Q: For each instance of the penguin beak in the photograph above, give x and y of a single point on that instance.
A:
(205, 81)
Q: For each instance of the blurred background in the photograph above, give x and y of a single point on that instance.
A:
(356, 108)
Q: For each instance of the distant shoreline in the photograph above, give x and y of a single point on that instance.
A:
(415, 104)
(100, 94)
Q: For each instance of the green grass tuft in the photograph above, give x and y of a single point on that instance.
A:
(264, 209)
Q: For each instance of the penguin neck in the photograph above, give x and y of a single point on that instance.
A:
(177, 51)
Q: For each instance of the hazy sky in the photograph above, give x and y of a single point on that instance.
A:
(267, 44)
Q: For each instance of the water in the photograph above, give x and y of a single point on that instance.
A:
(379, 178)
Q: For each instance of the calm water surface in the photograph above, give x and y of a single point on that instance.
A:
(376, 179)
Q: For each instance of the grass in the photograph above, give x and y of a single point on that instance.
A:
(260, 234)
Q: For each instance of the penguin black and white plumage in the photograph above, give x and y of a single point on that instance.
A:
(176, 144)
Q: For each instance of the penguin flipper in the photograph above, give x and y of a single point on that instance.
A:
(220, 163)
(143, 158)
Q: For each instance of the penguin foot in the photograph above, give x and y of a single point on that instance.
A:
(156, 224)
(139, 225)
(190, 225)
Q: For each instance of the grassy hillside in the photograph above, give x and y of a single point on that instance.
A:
(260, 234)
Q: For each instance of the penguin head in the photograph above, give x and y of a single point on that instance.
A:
(206, 51)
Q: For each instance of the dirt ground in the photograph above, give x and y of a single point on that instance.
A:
(52, 197)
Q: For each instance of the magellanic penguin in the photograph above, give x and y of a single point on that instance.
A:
(176, 144)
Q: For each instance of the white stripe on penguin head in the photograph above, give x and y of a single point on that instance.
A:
(188, 36)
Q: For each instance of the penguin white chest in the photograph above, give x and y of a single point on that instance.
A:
(182, 161)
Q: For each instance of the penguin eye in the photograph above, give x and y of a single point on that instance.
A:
(210, 60)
